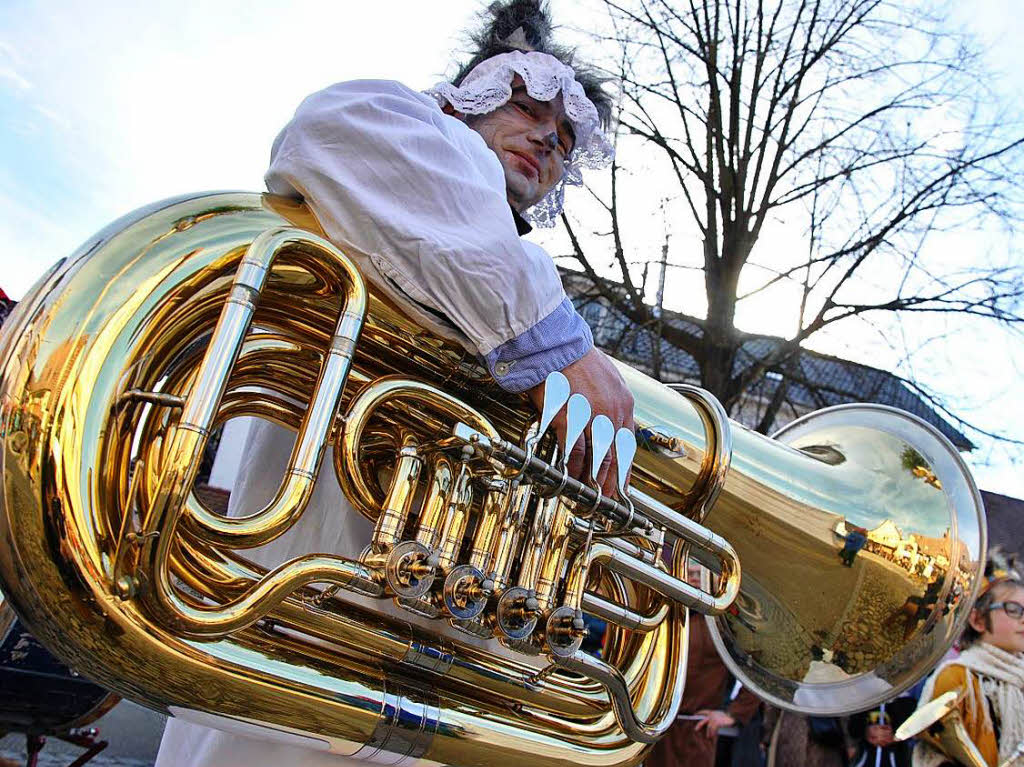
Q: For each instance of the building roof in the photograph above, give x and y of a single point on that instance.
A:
(933, 546)
(1005, 517)
(813, 380)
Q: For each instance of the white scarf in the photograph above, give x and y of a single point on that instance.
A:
(1001, 675)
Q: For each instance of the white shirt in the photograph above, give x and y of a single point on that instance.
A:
(419, 200)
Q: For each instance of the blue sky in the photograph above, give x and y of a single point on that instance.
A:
(108, 106)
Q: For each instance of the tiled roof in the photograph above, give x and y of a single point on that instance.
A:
(1005, 517)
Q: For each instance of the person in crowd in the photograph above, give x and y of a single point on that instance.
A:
(6, 306)
(856, 538)
(874, 735)
(988, 675)
(796, 740)
(917, 608)
(745, 748)
(707, 705)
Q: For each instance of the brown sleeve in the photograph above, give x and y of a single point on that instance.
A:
(771, 720)
(979, 728)
(744, 706)
(952, 677)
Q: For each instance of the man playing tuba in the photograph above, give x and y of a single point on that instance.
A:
(430, 193)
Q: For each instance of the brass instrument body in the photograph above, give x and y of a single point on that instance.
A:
(940, 723)
(116, 566)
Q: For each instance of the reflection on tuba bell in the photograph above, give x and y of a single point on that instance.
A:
(127, 356)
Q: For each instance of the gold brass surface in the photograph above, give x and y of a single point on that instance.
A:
(940, 723)
(114, 376)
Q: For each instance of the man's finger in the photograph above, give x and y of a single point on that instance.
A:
(576, 458)
(606, 477)
(559, 425)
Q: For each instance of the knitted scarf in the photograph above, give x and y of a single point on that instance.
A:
(1001, 675)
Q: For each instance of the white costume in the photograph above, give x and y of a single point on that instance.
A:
(419, 200)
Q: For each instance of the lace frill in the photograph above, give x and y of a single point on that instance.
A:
(489, 86)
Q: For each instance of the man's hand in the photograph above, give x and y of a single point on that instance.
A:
(713, 721)
(594, 376)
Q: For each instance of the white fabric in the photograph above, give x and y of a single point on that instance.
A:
(328, 525)
(191, 745)
(418, 200)
(1001, 674)
(489, 85)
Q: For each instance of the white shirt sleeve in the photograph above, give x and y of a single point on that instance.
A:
(388, 174)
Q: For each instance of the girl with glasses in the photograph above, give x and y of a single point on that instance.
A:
(989, 674)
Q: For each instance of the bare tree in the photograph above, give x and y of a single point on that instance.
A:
(862, 127)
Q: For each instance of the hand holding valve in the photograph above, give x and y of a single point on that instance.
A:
(595, 377)
(571, 414)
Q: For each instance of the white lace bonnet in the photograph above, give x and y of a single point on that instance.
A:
(489, 85)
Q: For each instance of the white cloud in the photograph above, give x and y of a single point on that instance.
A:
(60, 121)
(10, 76)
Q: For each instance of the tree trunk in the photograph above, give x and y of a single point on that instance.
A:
(721, 278)
(719, 347)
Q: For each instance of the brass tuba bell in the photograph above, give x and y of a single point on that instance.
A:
(128, 355)
(939, 722)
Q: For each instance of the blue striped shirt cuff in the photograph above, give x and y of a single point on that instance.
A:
(555, 342)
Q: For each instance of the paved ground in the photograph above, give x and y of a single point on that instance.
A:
(133, 732)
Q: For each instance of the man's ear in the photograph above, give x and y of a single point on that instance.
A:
(448, 109)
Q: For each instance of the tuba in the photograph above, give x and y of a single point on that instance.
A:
(452, 633)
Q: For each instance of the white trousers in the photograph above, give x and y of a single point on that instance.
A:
(329, 525)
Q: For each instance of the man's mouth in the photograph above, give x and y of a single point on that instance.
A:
(528, 162)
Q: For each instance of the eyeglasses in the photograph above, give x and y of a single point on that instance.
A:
(1014, 609)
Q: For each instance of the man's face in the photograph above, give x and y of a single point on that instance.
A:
(531, 139)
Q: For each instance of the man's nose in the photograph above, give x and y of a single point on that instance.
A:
(546, 137)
